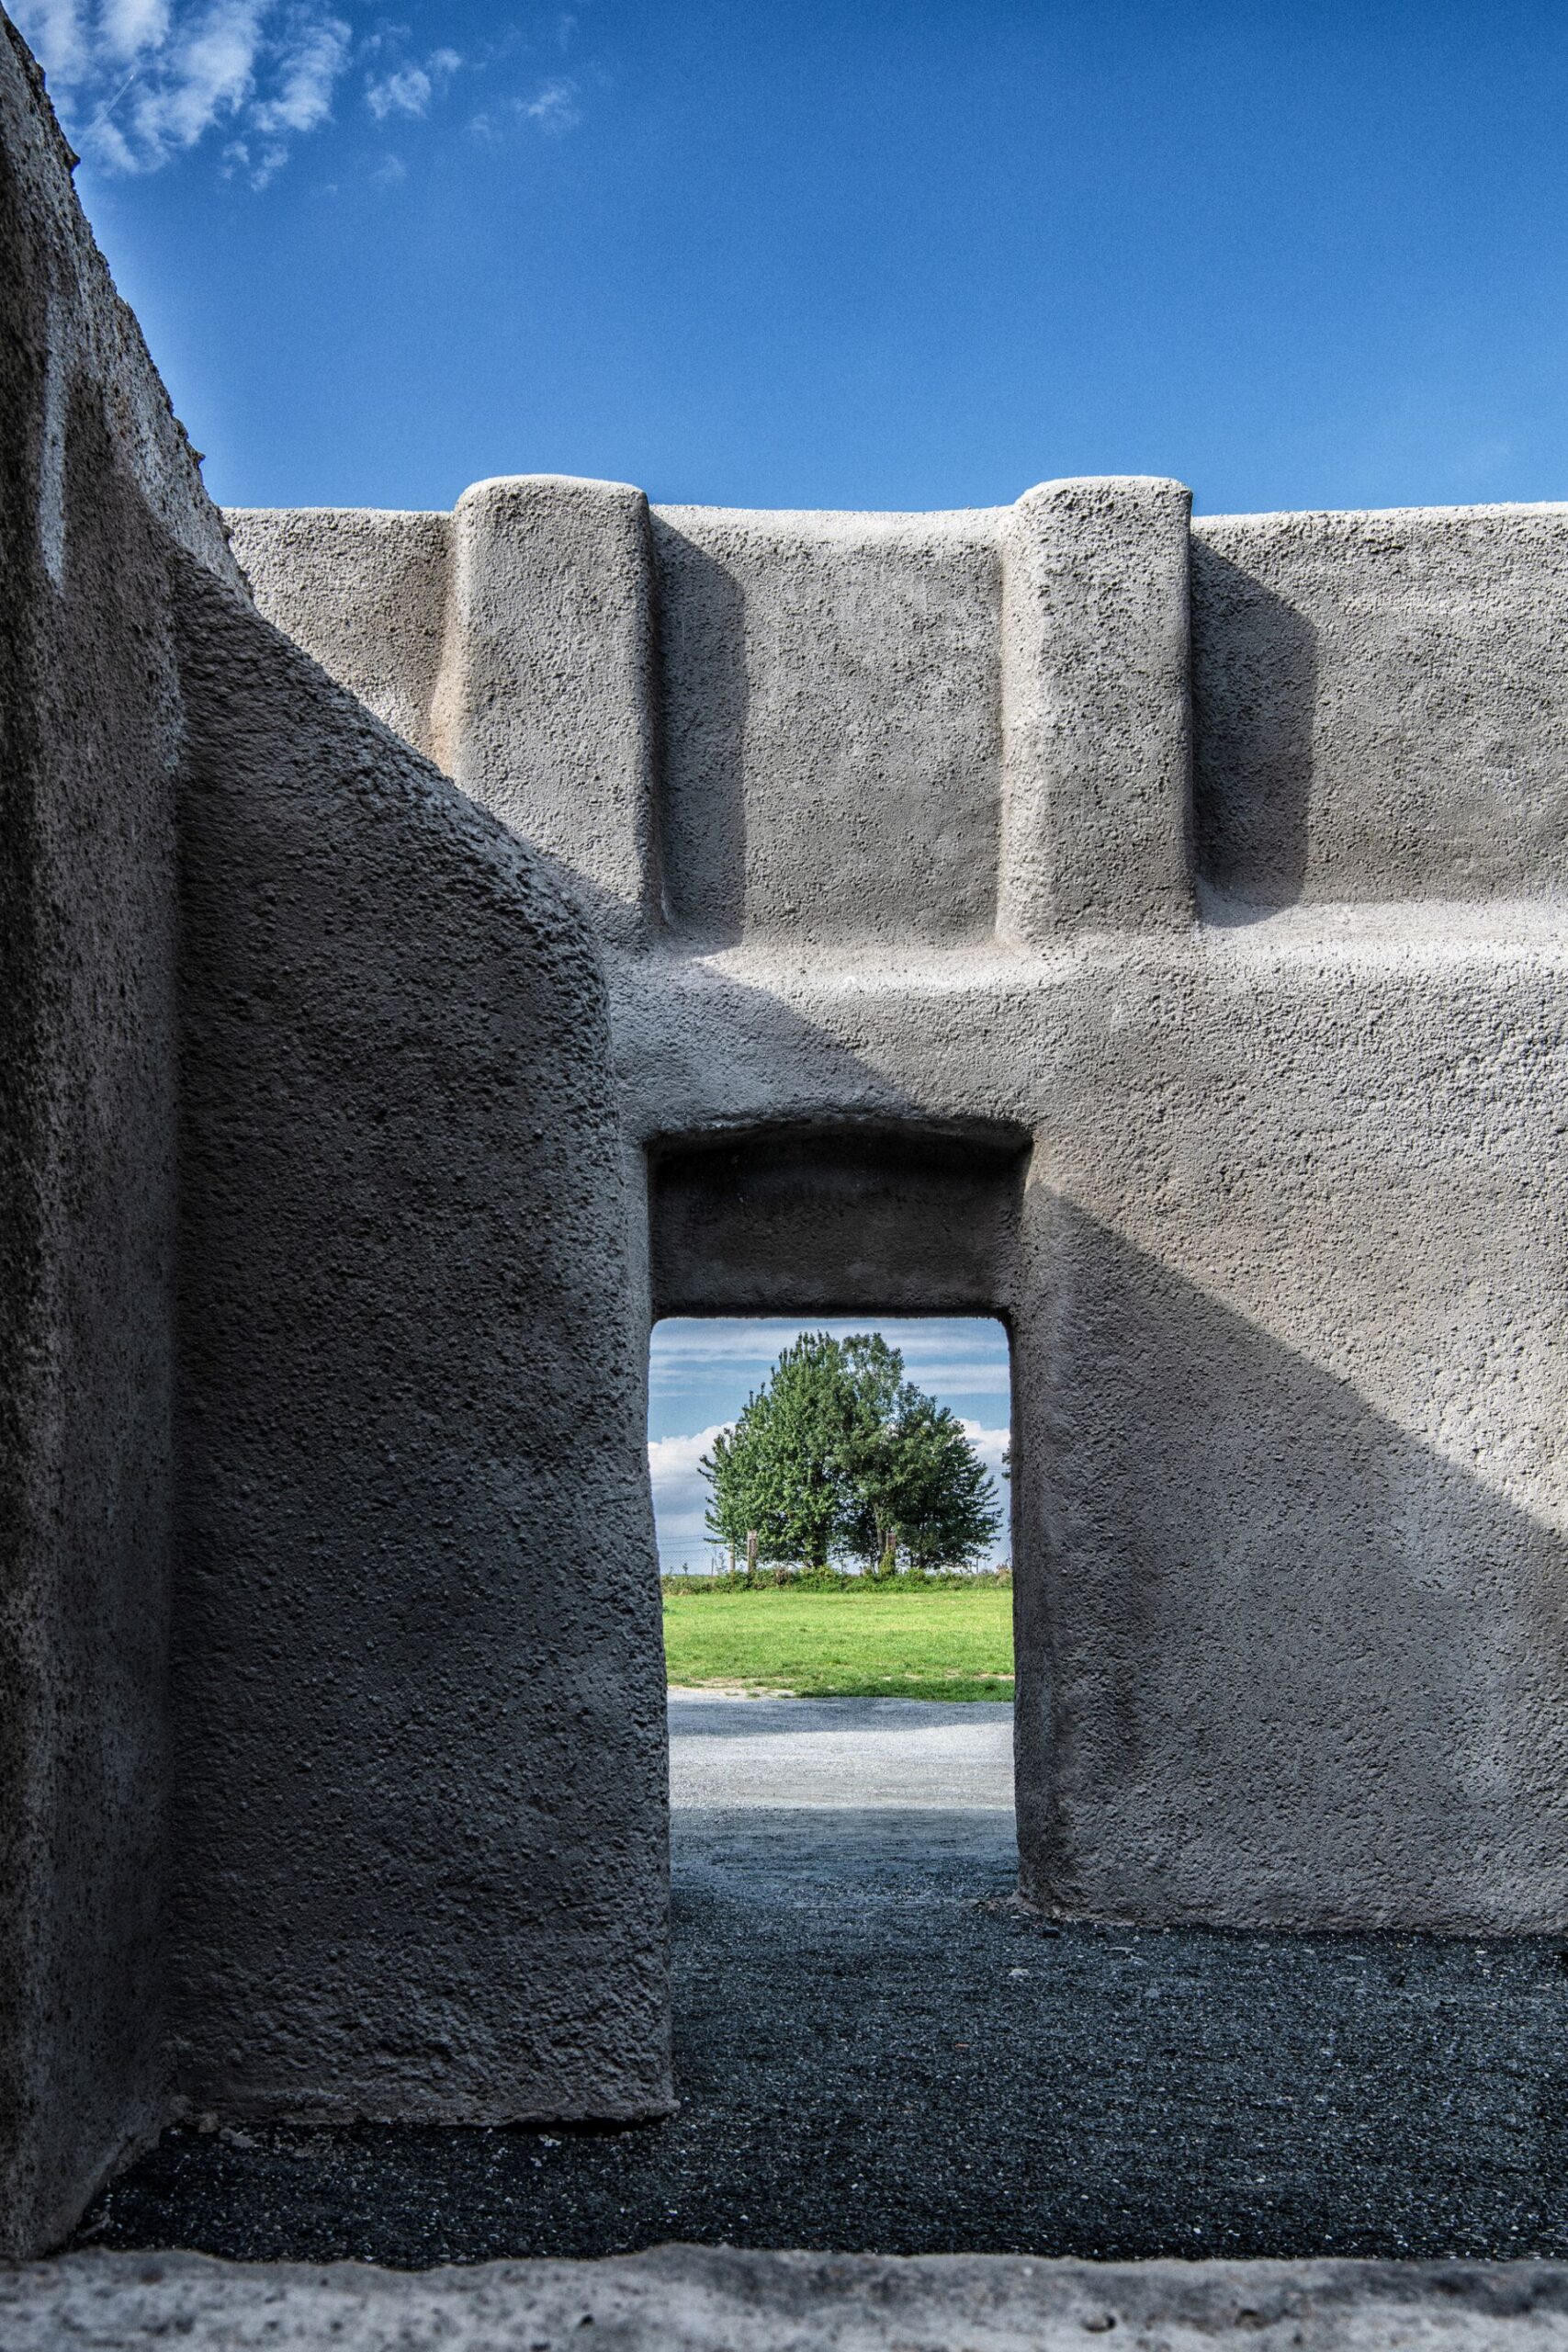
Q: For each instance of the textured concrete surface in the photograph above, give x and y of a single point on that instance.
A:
(1150, 935)
(855, 1755)
(1382, 704)
(1097, 707)
(727, 2300)
(874, 1216)
(550, 609)
(830, 688)
(97, 483)
(331, 1770)
(1231, 983)
(419, 1865)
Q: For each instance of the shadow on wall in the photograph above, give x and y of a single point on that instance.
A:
(1254, 683)
(1280, 1662)
(863, 1216)
(704, 700)
(1254, 689)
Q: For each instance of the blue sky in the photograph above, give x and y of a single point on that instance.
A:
(851, 255)
(702, 1371)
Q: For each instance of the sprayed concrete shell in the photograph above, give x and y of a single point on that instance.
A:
(495, 930)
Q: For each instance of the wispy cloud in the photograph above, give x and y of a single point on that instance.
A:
(409, 89)
(552, 108)
(131, 26)
(55, 31)
(139, 81)
(967, 1355)
(311, 66)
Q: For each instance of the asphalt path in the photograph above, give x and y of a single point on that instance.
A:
(876, 2049)
(840, 1755)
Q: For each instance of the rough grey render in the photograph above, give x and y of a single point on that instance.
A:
(700, 2298)
(1154, 937)
(97, 484)
(1149, 932)
(332, 1748)
(418, 1697)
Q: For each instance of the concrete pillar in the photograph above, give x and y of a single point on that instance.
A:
(545, 707)
(1097, 736)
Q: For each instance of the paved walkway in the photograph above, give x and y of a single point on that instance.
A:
(841, 1754)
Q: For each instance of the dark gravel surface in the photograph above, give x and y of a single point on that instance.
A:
(874, 2052)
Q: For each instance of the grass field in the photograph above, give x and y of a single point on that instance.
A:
(952, 1644)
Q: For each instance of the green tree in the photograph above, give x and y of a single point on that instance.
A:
(916, 1484)
(838, 1454)
(780, 1469)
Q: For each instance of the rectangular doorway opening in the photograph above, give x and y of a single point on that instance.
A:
(843, 1827)
(831, 1496)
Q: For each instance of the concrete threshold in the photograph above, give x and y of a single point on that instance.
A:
(722, 2299)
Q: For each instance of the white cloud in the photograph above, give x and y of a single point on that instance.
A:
(54, 31)
(139, 81)
(989, 1444)
(553, 107)
(131, 26)
(310, 66)
(207, 71)
(681, 1493)
(410, 88)
(406, 92)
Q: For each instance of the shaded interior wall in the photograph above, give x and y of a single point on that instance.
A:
(1291, 1492)
(96, 480)
(840, 1219)
(418, 1683)
(1288, 1385)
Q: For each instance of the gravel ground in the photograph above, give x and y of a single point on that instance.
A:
(875, 2051)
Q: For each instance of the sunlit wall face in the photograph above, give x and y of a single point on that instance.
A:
(702, 1370)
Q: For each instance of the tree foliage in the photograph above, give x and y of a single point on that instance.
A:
(838, 1455)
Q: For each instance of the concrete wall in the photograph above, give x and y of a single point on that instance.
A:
(1382, 704)
(1152, 934)
(95, 484)
(902, 728)
(417, 1676)
(1222, 865)
(330, 1704)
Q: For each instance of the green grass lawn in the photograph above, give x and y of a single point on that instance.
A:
(953, 1645)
